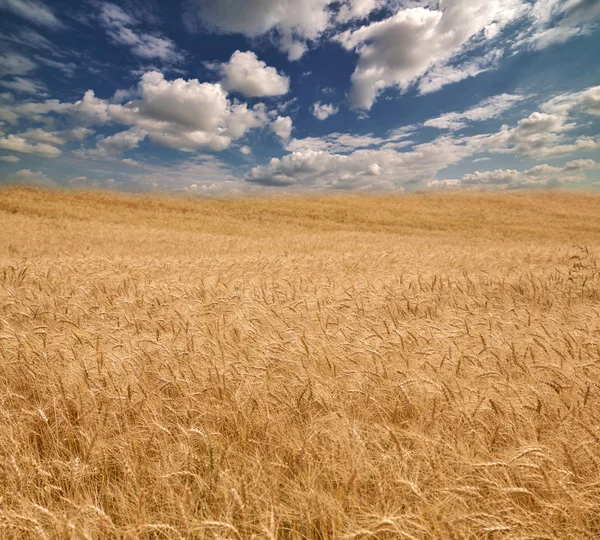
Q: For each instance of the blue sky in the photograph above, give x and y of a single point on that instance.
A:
(227, 96)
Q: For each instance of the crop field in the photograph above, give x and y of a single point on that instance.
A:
(414, 367)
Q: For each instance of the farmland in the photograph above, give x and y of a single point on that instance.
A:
(420, 366)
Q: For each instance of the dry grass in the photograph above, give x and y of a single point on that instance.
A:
(355, 367)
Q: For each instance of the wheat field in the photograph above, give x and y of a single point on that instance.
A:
(412, 367)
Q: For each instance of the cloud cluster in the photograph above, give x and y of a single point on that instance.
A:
(14, 143)
(115, 144)
(322, 111)
(357, 9)
(292, 23)
(180, 114)
(373, 168)
(400, 50)
(282, 127)
(187, 114)
(538, 176)
(350, 160)
(246, 74)
(343, 143)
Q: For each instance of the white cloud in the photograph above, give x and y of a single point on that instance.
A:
(489, 108)
(347, 160)
(357, 9)
(113, 145)
(342, 143)
(120, 27)
(33, 10)
(14, 143)
(590, 99)
(538, 176)
(88, 109)
(42, 136)
(246, 74)
(327, 169)
(79, 134)
(282, 127)
(132, 162)
(36, 178)
(187, 114)
(15, 64)
(246, 150)
(10, 159)
(323, 111)
(181, 114)
(544, 133)
(317, 169)
(556, 21)
(290, 22)
(401, 49)
(26, 86)
(444, 74)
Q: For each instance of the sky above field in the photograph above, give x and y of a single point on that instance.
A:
(225, 96)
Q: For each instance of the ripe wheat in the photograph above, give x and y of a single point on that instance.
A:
(411, 367)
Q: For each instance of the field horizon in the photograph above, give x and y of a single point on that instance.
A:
(346, 366)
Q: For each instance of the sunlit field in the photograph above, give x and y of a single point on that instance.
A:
(422, 366)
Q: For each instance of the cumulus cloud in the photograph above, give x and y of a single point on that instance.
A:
(342, 143)
(79, 134)
(545, 133)
(114, 145)
(538, 176)
(10, 159)
(246, 74)
(398, 51)
(181, 114)
(381, 166)
(246, 150)
(492, 107)
(318, 169)
(43, 136)
(36, 178)
(131, 162)
(14, 143)
(33, 10)
(282, 127)
(188, 114)
(347, 160)
(590, 99)
(290, 22)
(323, 111)
(121, 28)
(357, 9)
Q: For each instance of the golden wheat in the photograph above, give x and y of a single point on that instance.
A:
(411, 367)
